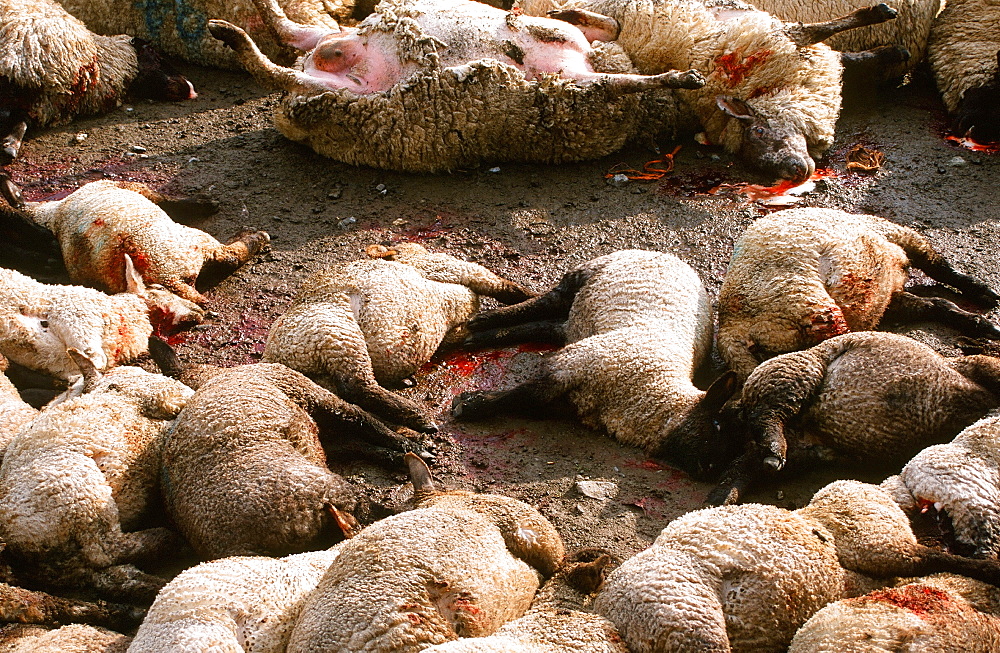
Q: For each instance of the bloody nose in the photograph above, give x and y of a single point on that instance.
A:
(797, 169)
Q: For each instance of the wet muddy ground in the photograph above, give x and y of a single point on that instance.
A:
(527, 222)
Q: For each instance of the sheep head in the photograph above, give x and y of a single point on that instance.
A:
(978, 112)
(175, 310)
(775, 145)
(696, 443)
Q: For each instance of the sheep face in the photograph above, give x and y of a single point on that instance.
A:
(165, 307)
(775, 145)
(978, 113)
(157, 79)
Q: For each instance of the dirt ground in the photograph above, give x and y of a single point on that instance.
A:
(527, 222)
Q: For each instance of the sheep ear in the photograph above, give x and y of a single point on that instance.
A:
(721, 390)
(91, 375)
(734, 107)
(420, 474)
(133, 280)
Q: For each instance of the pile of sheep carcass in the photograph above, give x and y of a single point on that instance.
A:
(125, 467)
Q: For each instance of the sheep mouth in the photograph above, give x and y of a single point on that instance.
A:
(933, 527)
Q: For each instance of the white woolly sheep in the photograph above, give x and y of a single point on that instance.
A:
(82, 474)
(744, 578)
(434, 85)
(180, 29)
(103, 221)
(800, 276)
(243, 471)
(242, 604)
(964, 53)
(961, 479)
(866, 398)
(73, 638)
(941, 613)
(637, 326)
(14, 411)
(39, 322)
(367, 322)
(459, 565)
(773, 90)
(53, 68)
(557, 621)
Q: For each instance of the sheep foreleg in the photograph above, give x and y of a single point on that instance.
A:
(247, 244)
(553, 333)
(623, 84)
(595, 27)
(906, 306)
(918, 560)
(808, 34)
(553, 305)
(300, 37)
(529, 397)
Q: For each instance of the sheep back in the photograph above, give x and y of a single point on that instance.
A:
(241, 604)
(411, 580)
(944, 612)
(243, 470)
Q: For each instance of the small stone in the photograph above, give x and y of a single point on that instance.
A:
(129, 109)
(580, 509)
(602, 490)
(335, 194)
(142, 156)
(78, 138)
(780, 496)
(957, 162)
(618, 180)
(381, 189)
(346, 222)
(138, 149)
(496, 169)
(194, 159)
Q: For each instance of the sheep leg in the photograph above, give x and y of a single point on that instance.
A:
(247, 244)
(595, 27)
(874, 60)
(369, 395)
(299, 36)
(553, 305)
(263, 69)
(984, 370)
(553, 333)
(808, 34)
(531, 397)
(12, 143)
(918, 560)
(474, 277)
(909, 307)
(146, 546)
(741, 476)
(18, 605)
(128, 582)
(937, 267)
(10, 192)
(622, 83)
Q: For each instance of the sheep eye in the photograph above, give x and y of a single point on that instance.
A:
(44, 323)
(758, 131)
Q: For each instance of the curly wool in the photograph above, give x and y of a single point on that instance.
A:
(944, 612)
(180, 29)
(55, 68)
(72, 638)
(39, 322)
(241, 604)
(963, 47)
(712, 580)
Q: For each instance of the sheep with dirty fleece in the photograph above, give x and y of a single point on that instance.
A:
(40, 322)
(377, 320)
(867, 398)
(243, 471)
(241, 604)
(800, 276)
(180, 29)
(943, 613)
(773, 90)
(637, 325)
(435, 85)
(558, 620)
(72, 638)
(82, 474)
(14, 411)
(52, 68)
(459, 565)
(744, 578)
(100, 223)
(964, 53)
(960, 479)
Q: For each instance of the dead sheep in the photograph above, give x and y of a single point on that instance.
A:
(435, 85)
(14, 411)
(959, 479)
(866, 398)
(964, 53)
(103, 221)
(744, 578)
(773, 89)
(637, 325)
(180, 29)
(241, 604)
(243, 471)
(72, 638)
(558, 621)
(376, 321)
(83, 474)
(943, 613)
(458, 565)
(803, 275)
(52, 68)
(39, 322)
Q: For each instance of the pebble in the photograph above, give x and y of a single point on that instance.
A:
(618, 180)
(957, 162)
(496, 169)
(138, 149)
(602, 490)
(79, 138)
(347, 222)
(381, 189)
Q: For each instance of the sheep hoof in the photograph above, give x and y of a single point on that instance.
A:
(884, 11)
(430, 426)
(774, 463)
(228, 33)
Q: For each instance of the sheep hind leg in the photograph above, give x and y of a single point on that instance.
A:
(127, 582)
(531, 398)
(923, 256)
(553, 305)
(918, 560)
(247, 244)
(19, 605)
(370, 396)
(906, 306)
(596, 27)
(553, 333)
(808, 34)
